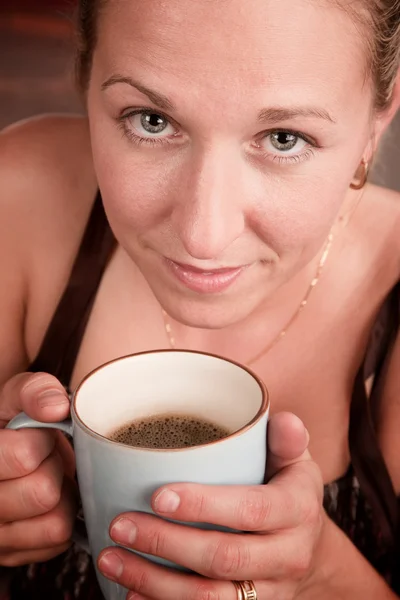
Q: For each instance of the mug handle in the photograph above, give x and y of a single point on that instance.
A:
(22, 421)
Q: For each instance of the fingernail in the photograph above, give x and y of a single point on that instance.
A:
(111, 565)
(134, 596)
(52, 398)
(166, 501)
(124, 532)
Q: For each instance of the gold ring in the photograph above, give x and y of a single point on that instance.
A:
(246, 590)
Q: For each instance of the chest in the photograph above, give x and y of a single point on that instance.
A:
(309, 372)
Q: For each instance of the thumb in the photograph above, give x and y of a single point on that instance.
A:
(40, 395)
(287, 442)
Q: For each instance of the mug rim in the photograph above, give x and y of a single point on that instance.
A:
(264, 407)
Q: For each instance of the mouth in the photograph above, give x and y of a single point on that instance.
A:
(204, 281)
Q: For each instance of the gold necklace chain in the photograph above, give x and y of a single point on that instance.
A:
(283, 332)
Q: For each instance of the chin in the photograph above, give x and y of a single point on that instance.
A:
(207, 313)
(206, 310)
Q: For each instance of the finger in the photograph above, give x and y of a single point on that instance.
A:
(52, 530)
(287, 442)
(33, 495)
(160, 583)
(22, 452)
(39, 395)
(213, 554)
(257, 508)
(17, 559)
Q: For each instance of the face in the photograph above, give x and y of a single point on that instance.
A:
(225, 136)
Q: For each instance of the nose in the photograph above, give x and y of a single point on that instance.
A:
(208, 216)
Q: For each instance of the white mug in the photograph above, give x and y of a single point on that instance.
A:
(115, 478)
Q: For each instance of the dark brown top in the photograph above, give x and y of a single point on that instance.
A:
(363, 502)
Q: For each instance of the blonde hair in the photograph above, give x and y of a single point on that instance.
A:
(381, 18)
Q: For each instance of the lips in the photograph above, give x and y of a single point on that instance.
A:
(204, 281)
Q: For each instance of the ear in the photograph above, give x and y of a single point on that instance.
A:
(385, 117)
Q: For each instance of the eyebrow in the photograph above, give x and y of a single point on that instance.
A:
(278, 114)
(156, 98)
(267, 115)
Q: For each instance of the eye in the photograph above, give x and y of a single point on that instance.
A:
(149, 124)
(285, 142)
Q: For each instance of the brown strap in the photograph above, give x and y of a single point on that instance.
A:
(62, 341)
(367, 460)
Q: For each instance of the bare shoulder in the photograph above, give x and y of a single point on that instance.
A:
(47, 189)
(47, 184)
(44, 161)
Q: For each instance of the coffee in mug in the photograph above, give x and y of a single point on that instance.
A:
(169, 431)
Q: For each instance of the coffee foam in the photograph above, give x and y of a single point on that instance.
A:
(168, 432)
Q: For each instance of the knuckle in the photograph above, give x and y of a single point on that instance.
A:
(225, 560)
(45, 492)
(311, 511)
(204, 591)
(59, 530)
(139, 581)
(308, 476)
(301, 562)
(290, 500)
(197, 505)
(254, 510)
(290, 503)
(156, 543)
(25, 455)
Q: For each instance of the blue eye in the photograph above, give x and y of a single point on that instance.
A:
(149, 124)
(284, 141)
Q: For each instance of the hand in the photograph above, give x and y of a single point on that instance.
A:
(37, 495)
(282, 521)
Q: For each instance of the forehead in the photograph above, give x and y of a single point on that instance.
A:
(234, 47)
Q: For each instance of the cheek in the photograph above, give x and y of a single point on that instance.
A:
(295, 213)
(134, 187)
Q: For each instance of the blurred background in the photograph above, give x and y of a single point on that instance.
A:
(37, 74)
(36, 58)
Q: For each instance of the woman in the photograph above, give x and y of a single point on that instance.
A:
(231, 145)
